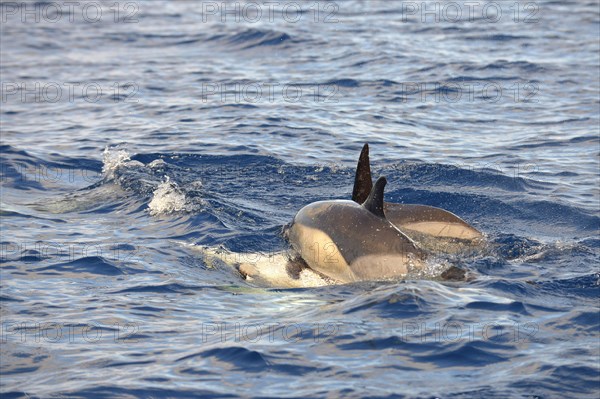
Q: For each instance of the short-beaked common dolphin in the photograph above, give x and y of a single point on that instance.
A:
(347, 242)
(344, 241)
(415, 221)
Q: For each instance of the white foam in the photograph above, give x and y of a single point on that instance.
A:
(262, 269)
(157, 163)
(115, 158)
(167, 198)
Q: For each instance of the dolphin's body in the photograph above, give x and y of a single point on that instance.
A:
(348, 242)
(369, 239)
(416, 221)
(343, 241)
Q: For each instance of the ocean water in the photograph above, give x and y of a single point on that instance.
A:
(135, 133)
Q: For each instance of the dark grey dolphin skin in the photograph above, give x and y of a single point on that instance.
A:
(416, 221)
(348, 242)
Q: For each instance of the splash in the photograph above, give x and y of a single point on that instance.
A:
(167, 198)
(113, 159)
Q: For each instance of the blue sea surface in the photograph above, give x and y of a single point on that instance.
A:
(135, 133)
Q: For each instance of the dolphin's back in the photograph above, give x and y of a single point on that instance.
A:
(417, 221)
(429, 220)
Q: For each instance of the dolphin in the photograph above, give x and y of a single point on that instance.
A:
(420, 222)
(363, 239)
(348, 242)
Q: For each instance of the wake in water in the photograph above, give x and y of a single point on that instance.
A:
(173, 186)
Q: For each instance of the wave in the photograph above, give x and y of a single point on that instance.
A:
(253, 38)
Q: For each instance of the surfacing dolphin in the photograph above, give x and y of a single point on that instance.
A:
(420, 222)
(344, 241)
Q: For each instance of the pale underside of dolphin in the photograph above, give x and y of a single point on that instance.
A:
(420, 222)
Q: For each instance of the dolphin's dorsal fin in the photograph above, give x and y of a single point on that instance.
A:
(374, 202)
(362, 179)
